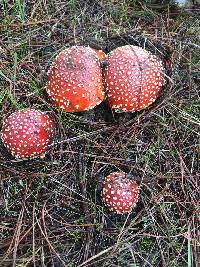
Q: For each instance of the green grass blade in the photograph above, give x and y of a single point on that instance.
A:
(21, 9)
(189, 254)
(5, 77)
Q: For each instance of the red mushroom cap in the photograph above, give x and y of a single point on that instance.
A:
(119, 194)
(100, 54)
(75, 81)
(133, 78)
(27, 133)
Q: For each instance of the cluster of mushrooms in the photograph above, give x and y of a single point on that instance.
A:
(131, 80)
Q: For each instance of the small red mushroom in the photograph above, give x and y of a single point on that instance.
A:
(75, 81)
(100, 54)
(133, 78)
(27, 133)
(119, 194)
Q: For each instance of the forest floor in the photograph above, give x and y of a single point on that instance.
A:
(51, 213)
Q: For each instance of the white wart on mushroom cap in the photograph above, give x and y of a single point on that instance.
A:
(119, 193)
(27, 133)
(75, 81)
(133, 78)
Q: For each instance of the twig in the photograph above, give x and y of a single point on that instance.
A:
(96, 256)
(29, 23)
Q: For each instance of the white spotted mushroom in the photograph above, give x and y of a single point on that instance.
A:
(100, 54)
(75, 81)
(27, 133)
(133, 78)
(119, 193)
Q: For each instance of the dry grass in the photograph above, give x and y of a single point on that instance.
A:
(51, 212)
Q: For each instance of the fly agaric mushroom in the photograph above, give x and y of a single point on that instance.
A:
(100, 54)
(27, 133)
(133, 78)
(119, 194)
(75, 80)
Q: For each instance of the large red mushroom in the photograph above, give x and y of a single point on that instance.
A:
(27, 133)
(75, 81)
(120, 194)
(133, 77)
